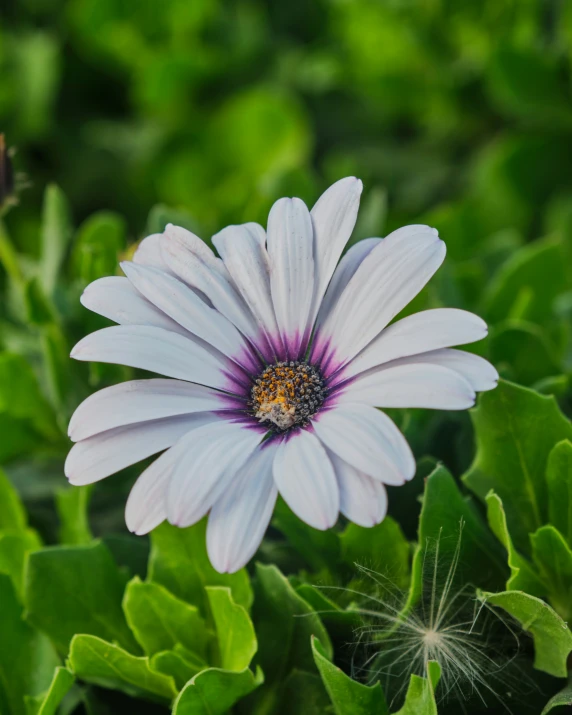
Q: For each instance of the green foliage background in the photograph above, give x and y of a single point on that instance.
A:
(126, 115)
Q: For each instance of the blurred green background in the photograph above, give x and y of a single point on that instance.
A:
(458, 114)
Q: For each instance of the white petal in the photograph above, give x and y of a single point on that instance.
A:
(410, 385)
(306, 480)
(194, 263)
(368, 440)
(140, 401)
(477, 371)
(243, 250)
(116, 299)
(363, 499)
(290, 247)
(344, 273)
(149, 253)
(207, 465)
(184, 306)
(103, 454)
(419, 333)
(156, 350)
(385, 282)
(146, 505)
(333, 217)
(238, 519)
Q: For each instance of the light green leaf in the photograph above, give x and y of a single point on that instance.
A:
(55, 237)
(561, 699)
(173, 663)
(215, 691)
(47, 703)
(72, 504)
(27, 658)
(14, 547)
(109, 666)
(179, 561)
(559, 481)
(522, 575)
(420, 698)
(553, 560)
(236, 636)
(552, 637)
(160, 620)
(284, 624)
(382, 548)
(348, 696)
(97, 245)
(12, 513)
(76, 589)
(516, 429)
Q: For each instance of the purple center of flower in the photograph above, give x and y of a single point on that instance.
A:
(287, 394)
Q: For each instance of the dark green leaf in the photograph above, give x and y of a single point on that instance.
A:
(72, 504)
(559, 481)
(561, 699)
(304, 694)
(215, 691)
(181, 668)
(12, 514)
(348, 696)
(14, 547)
(553, 560)
(48, 703)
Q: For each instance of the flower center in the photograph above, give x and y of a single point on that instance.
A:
(287, 394)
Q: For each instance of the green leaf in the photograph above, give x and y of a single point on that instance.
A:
(12, 513)
(561, 699)
(160, 620)
(55, 237)
(76, 589)
(516, 429)
(348, 696)
(215, 691)
(236, 636)
(72, 504)
(170, 662)
(552, 637)
(382, 548)
(303, 693)
(420, 698)
(284, 624)
(522, 575)
(47, 703)
(553, 560)
(109, 666)
(179, 561)
(14, 547)
(39, 309)
(27, 658)
(97, 245)
(559, 481)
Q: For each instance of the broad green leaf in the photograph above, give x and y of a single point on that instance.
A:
(12, 513)
(47, 703)
(561, 699)
(109, 666)
(382, 548)
(284, 624)
(339, 622)
(348, 696)
(76, 589)
(523, 577)
(173, 663)
(215, 691)
(446, 517)
(420, 698)
(535, 274)
(553, 560)
(552, 637)
(179, 561)
(55, 237)
(516, 429)
(27, 658)
(72, 504)
(559, 481)
(14, 547)
(235, 632)
(303, 693)
(319, 549)
(160, 620)
(97, 245)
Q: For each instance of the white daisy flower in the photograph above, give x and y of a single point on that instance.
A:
(275, 360)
